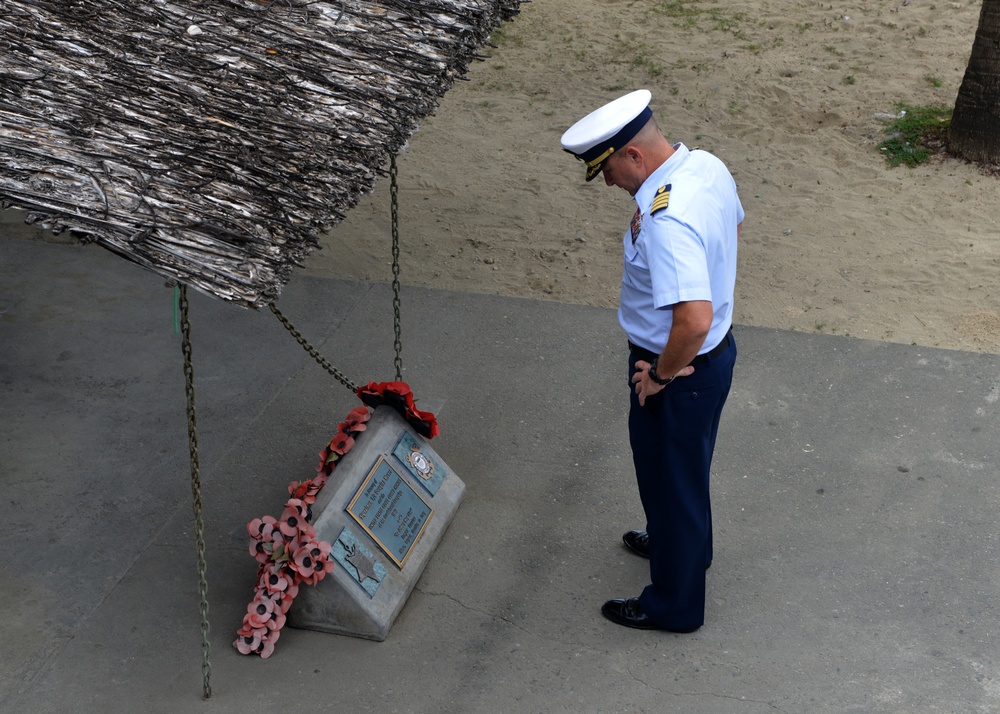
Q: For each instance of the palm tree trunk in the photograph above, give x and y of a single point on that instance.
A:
(975, 126)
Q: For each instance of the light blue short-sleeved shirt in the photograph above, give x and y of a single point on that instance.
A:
(685, 251)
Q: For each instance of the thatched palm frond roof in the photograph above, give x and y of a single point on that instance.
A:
(213, 141)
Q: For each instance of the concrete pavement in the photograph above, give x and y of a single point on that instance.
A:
(855, 502)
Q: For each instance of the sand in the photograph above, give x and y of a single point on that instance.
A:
(787, 93)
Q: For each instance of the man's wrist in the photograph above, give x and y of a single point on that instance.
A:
(656, 377)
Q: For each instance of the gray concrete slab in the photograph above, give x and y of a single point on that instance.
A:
(855, 500)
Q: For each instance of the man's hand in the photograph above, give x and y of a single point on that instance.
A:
(646, 387)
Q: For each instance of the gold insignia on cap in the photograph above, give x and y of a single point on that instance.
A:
(661, 200)
(602, 158)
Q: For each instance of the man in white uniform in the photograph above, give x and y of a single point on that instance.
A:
(676, 308)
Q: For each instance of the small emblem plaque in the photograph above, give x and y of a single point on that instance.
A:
(419, 462)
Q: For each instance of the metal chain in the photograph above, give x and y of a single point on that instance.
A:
(199, 525)
(394, 195)
(313, 352)
(396, 310)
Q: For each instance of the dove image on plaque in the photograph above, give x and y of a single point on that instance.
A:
(358, 561)
(420, 462)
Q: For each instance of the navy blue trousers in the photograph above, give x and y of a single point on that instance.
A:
(672, 439)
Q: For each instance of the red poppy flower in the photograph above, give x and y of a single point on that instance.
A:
(356, 418)
(331, 461)
(395, 394)
(341, 443)
(399, 396)
(306, 490)
(400, 388)
(425, 423)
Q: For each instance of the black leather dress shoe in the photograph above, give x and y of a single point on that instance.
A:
(637, 542)
(629, 613)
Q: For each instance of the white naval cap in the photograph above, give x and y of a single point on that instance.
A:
(602, 132)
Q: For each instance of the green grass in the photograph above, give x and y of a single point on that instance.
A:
(688, 14)
(916, 135)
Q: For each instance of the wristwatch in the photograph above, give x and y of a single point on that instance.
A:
(654, 376)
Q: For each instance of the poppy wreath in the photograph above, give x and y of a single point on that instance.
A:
(399, 396)
(286, 549)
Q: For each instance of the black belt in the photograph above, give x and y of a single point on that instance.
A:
(647, 355)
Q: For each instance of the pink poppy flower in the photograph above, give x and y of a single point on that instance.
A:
(328, 566)
(247, 631)
(282, 603)
(267, 645)
(276, 547)
(306, 533)
(293, 517)
(249, 643)
(274, 578)
(295, 507)
(302, 561)
(306, 560)
(260, 528)
(276, 622)
(259, 551)
(259, 612)
(311, 561)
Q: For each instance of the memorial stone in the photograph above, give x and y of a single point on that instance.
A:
(384, 511)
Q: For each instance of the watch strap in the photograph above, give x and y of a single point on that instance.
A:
(654, 376)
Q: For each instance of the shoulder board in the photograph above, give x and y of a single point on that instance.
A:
(661, 200)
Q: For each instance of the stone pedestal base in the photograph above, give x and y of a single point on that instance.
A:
(384, 510)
